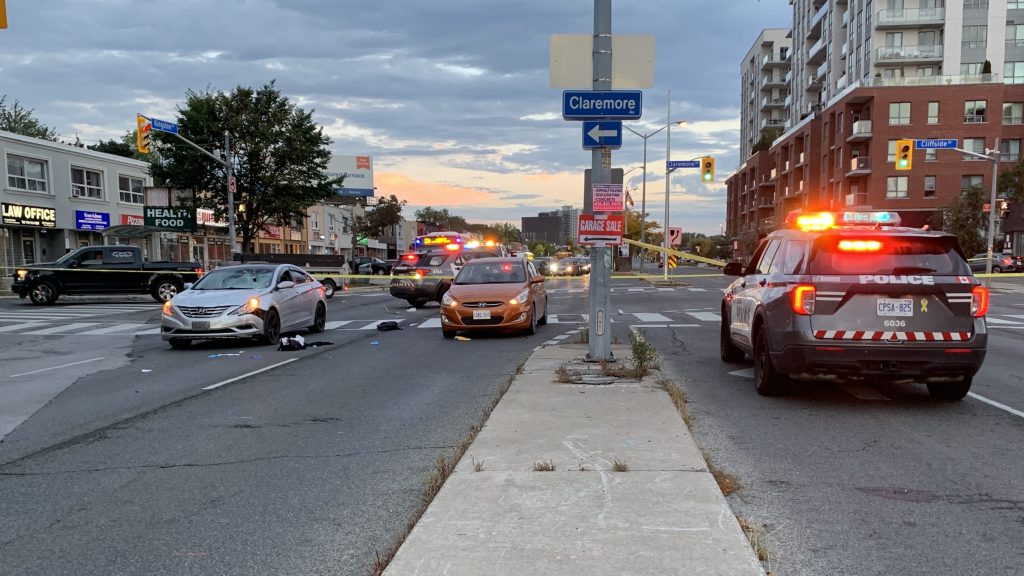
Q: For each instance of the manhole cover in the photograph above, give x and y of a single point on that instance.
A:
(598, 380)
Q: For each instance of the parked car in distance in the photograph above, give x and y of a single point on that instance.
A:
(371, 265)
(495, 294)
(103, 270)
(245, 301)
(567, 267)
(1000, 263)
(543, 264)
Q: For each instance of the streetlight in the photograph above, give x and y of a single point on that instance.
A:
(643, 197)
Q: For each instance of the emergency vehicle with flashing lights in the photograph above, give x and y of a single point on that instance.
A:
(425, 275)
(854, 294)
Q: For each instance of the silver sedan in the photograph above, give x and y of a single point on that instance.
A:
(245, 301)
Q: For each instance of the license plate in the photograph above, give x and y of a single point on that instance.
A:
(895, 307)
(481, 314)
(200, 326)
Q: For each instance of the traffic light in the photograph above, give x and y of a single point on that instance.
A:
(142, 133)
(707, 169)
(3, 14)
(904, 154)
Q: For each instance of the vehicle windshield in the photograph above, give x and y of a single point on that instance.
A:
(68, 256)
(236, 278)
(894, 255)
(491, 273)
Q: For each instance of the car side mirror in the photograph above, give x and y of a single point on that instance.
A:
(733, 269)
(537, 279)
(285, 284)
(188, 285)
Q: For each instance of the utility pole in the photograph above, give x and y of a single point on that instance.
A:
(668, 177)
(993, 154)
(600, 337)
(231, 195)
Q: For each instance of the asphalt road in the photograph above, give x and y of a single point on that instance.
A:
(129, 466)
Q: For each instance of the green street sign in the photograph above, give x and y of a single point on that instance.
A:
(176, 219)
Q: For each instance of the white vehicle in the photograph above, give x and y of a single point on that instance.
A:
(245, 301)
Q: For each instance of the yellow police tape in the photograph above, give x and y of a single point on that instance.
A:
(686, 255)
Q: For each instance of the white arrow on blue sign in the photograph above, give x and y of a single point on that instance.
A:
(671, 164)
(602, 134)
(935, 144)
(602, 104)
(163, 125)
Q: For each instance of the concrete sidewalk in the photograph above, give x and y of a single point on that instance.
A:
(665, 515)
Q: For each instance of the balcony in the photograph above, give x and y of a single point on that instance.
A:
(900, 55)
(771, 123)
(813, 83)
(861, 131)
(788, 101)
(774, 173)
(767, 182)
(936, 80)
(846, 18)
(770, 82)
(860, 166)
(820, 72)
(814, 30)
(844, 50)
(765, 203)
(816, 53)
(768, 102)
(800, 159)
(788, 78)
(841, 83)
(911, 18)
(773, 59)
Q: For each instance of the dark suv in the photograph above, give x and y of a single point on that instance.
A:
(855, 294)
(421, 277)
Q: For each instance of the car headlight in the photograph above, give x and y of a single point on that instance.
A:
(251, 305)
(167, 308)
(520, 298)
(447, 300)
(21, 274)
(553, 267)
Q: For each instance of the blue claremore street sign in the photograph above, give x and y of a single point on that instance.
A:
(604, 104)
(682, 164)
(935, 144)
(602, 134)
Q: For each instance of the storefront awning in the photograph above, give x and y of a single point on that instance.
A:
(129, 231)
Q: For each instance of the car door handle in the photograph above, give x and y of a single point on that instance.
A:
(762, 281)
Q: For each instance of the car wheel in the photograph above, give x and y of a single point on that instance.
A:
(996, 270)
(950, 391)
(319, 319)
(449, 334)
(729, 352)
(166, 288)
(43, 293)
(417, 302)
(272, 327)
(329, 288)
(767, 381)
(379, 272)
(180, 343)
(544, 319)
(532, 328)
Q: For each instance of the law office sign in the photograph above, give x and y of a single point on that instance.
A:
(31, 216)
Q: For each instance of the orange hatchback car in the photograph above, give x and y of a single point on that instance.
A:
(495, 294)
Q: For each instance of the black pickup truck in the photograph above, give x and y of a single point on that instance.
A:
(103, 270)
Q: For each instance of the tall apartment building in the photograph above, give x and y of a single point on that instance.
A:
(841, 43)
(764, 87)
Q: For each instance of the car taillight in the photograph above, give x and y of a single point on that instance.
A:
(802, 298)
(860, 245)
(200, 272)
(410, 257)
(421, 273)
(979, 301)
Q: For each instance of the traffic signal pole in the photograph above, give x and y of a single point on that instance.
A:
(993, 155)
(600, 336)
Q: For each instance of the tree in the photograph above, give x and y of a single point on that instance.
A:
(124, 147)
(279, 157)
(20, 120)
(542, 248)
(768, 135)
(1011, 182)
(386, 213)
(507, 232)
(443, 218)
(965, 219)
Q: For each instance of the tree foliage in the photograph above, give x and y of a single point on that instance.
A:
(965, 219)
(443, 218)
(507, 232)
(1011, 182)
(124, 147)
(20, 120)
(768, 135)
(279, 157)
(386, 213)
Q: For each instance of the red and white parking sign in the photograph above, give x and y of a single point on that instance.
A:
(606, 228)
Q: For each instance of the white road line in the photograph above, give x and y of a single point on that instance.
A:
(666, 289)
(56, 367)
(635, 326)
(862, 391)
(65, 328)
(253, 373)
(111, 329)
(576, 291)
(696, 290)
(683, 325)
(562, 337)
(147, 332)
(744, 373)
(651, 317)
(996, 404)
(15, 327)
(992, 320)
(335, 324)
(706, 316)
(635, 290)
(553, 319)
(433, 323)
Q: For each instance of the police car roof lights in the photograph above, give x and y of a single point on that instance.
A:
(820, 221)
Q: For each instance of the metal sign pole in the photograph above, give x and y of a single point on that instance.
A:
(668, 177)
(231, 196)
(600, 337)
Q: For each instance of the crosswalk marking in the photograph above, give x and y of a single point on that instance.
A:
(335, 324)
(636, 289)
(373, 325)
(651, 317)
(706, 316)
(111, 329)
(992, 320)
(695, 289)
(433, 323)
(22, 326)
(146, 332)
(62, 328)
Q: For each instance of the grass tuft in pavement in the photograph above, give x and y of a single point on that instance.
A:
(619, 466)
(548, 466)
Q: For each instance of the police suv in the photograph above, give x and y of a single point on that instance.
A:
(856, 294)
(421, 277)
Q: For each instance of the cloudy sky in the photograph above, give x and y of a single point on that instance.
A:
(451, 98)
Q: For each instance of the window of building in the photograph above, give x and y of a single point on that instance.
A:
(130, 189)
(896, 187)
(1013, 73)
(974, 111)
(86, 183)
(893, 73)
(974, 145)
(975, 4)
(26, 174)
(933, 112)
(972, 181)
(899, 113)
(315, 218)
(1015, 4)
(1010, 150)
(1015, 35)
(1013, 113)
(926, 71)
(929, 186)
(891, 157)
(931, 155)
(975, 37)
(893, 39)
(971, 68)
